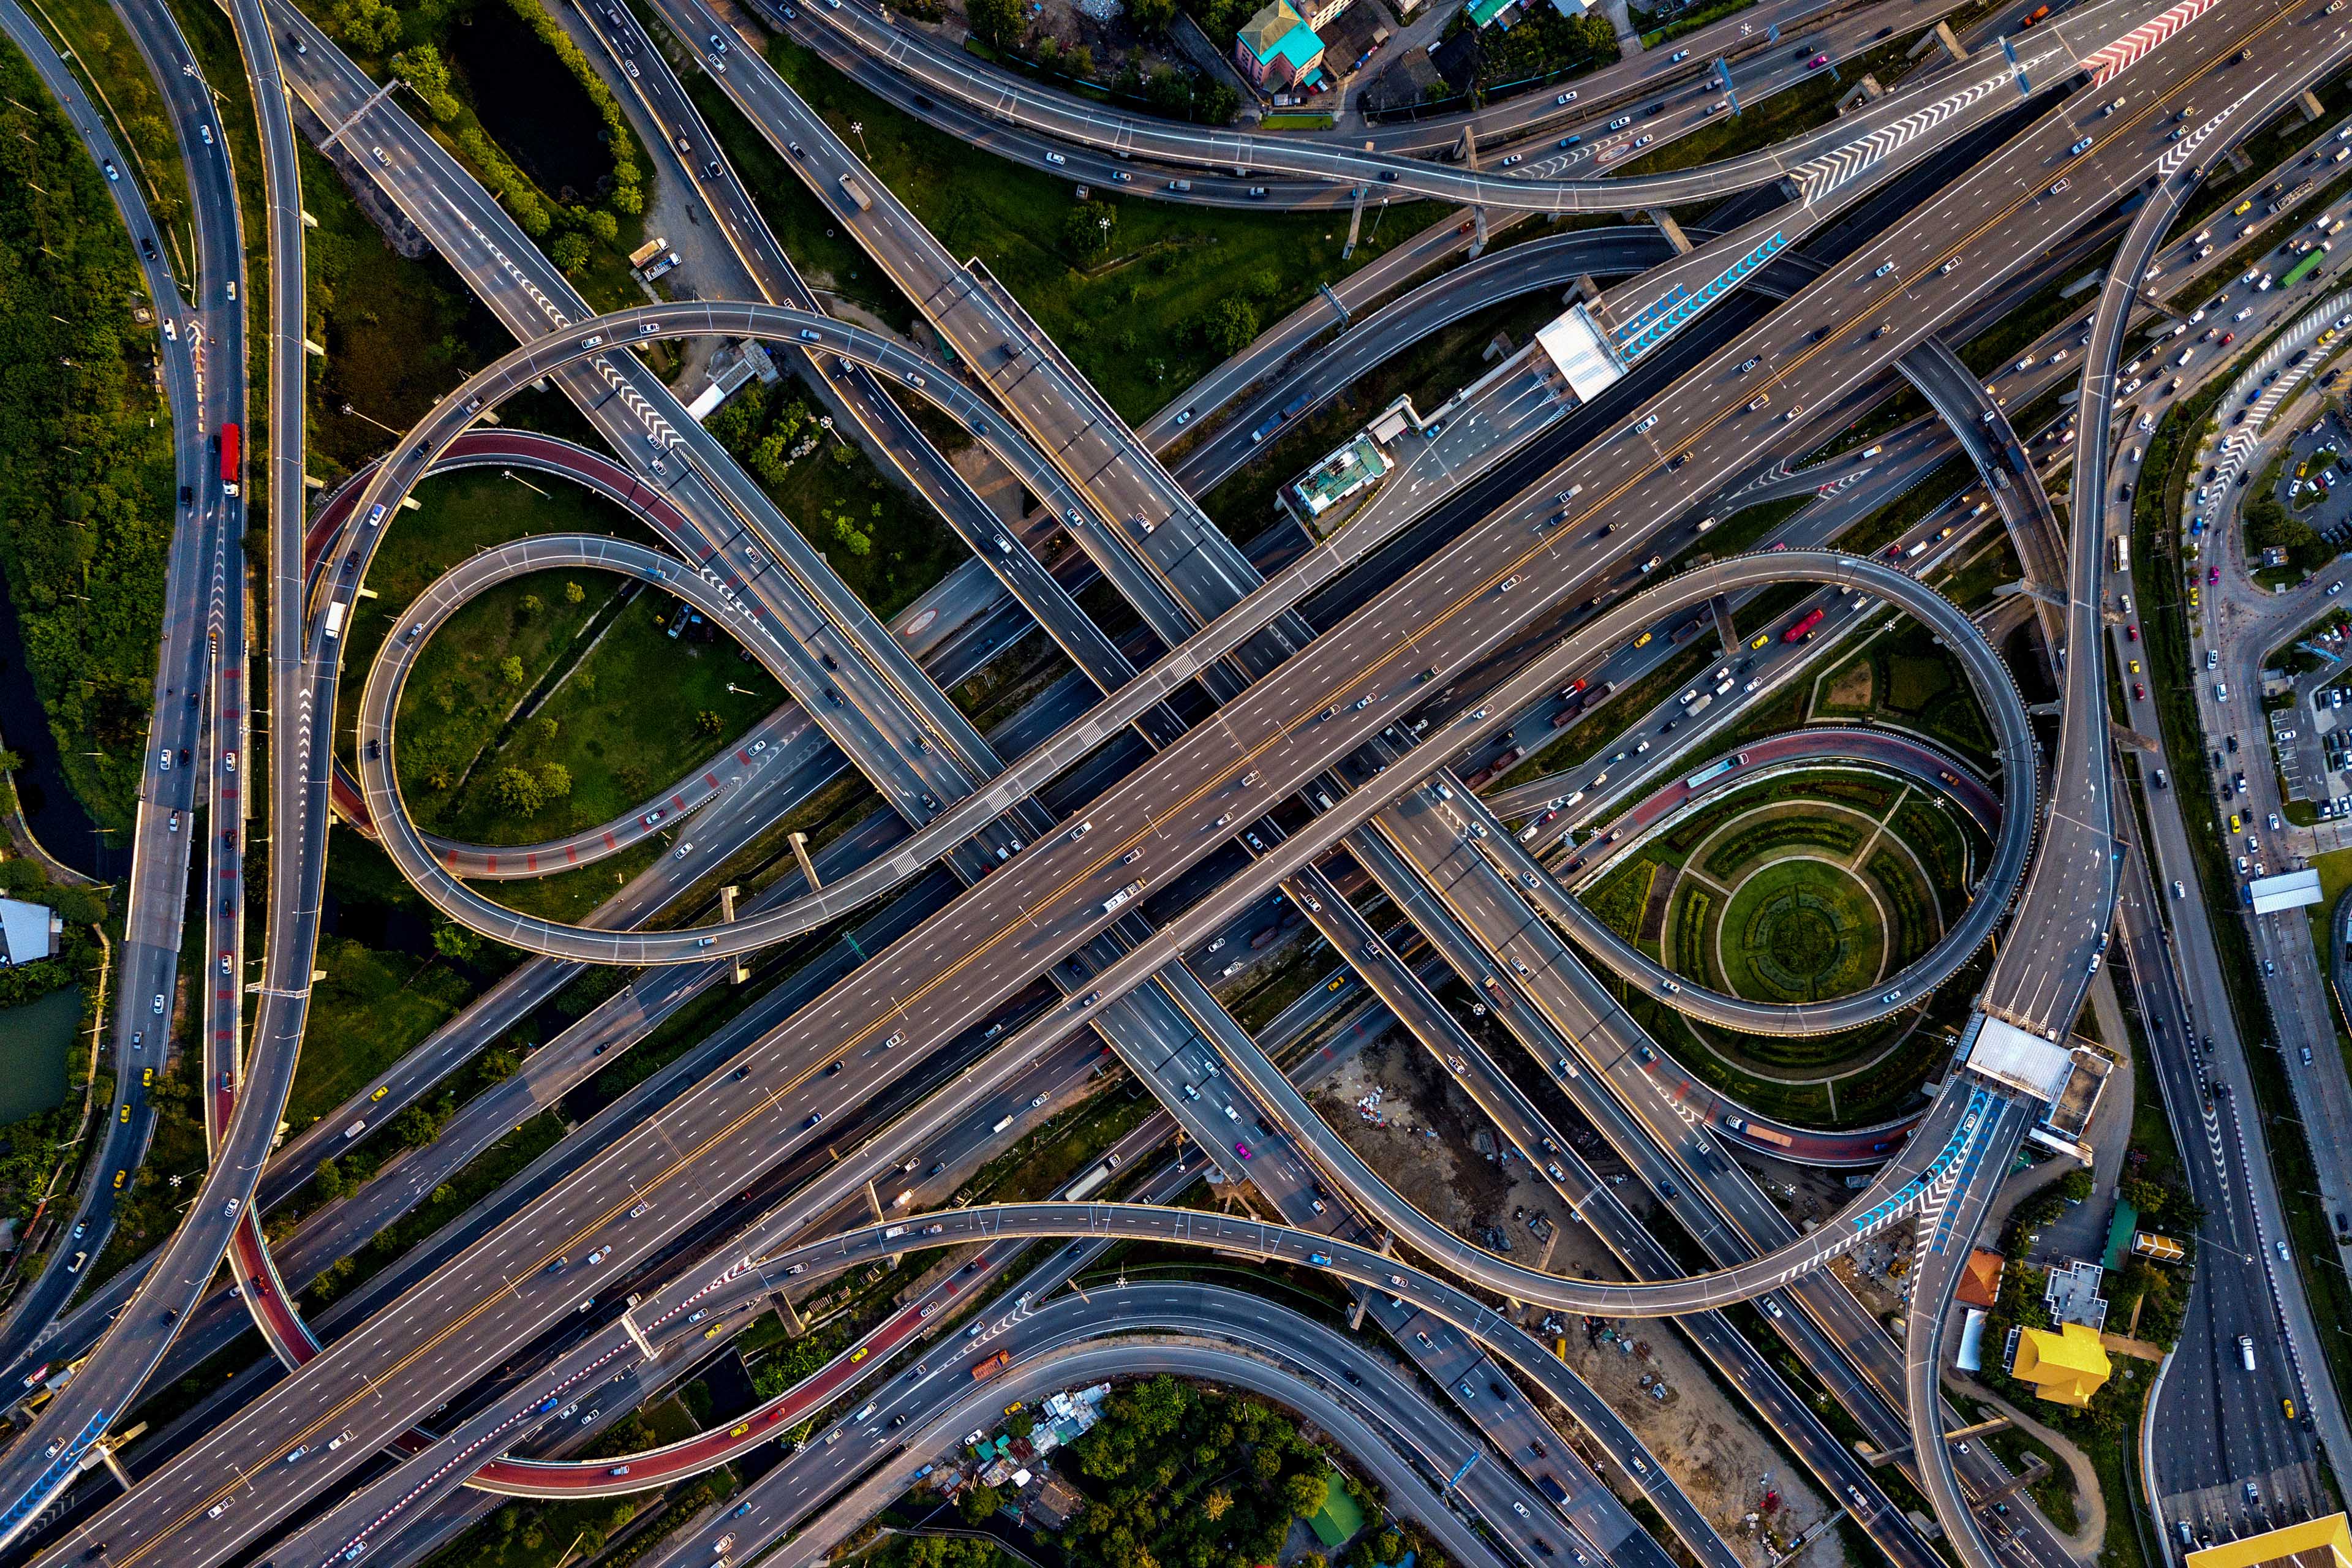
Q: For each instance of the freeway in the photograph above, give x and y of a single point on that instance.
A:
(2047, 57)
(146, 962)
(1783, 372)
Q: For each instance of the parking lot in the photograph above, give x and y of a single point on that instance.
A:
(2305, 488)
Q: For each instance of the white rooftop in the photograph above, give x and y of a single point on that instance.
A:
(1575, 344)
(2006, 1054)
(28, 931)
(2287, 890)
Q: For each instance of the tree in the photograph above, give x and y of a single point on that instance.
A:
(9, 761)
(1087, 229)
(372, 27)
(510, 670)
(1213, 1506)
(531, 605)
(1021, 1423)
(414, 1127)
(1049, 52)
(708, 723)
(554, 782)
(1168, 92)
(1080, 63)
(330, 1178)
(999, 23)
(1217, 103)
(569, 251)
(515, 792)
(499, 1063)
(573, 593)
(1231, 326)
(423, 69)
(456, 943)
(2076, 1186)
(979, 1503)
(1151, 16)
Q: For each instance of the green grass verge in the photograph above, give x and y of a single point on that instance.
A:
(634, 713)
(1178, 288)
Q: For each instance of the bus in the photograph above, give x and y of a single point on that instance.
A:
(2302, 269)
(2123, 552)
(1714, 771)
(1803, 628)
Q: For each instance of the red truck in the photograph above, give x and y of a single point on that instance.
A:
(992, 1366)
(230, 446)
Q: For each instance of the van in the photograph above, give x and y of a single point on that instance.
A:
(2246, 1352)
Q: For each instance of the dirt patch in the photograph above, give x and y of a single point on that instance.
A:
(1718, 1455)
(1851, 689)
(1397, 1109)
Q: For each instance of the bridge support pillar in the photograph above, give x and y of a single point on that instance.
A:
(1356, 1315)
(738, 971)
(1862, 91)
(873, 1200)
(1355, 222)
(1720, 607)
(106, 1452)
(1671, 230)
(808, 867)
(315, 351)
(636, 1335)
(790, 1316)
(1478, 231)
(1466, 150)
(1940, 34)
(2313, 109)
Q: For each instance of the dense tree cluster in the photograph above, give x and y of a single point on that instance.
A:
(2270, 526)
(86, 478)
(1179, 1476)
(406, 37)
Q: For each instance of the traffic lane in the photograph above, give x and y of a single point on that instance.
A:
(839, 1463)
(1638, 1108)
(160, 849)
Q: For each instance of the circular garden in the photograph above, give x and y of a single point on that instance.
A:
(1797, 888)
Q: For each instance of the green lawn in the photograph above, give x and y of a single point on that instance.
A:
(1916, 684)
(1800, 931)
(627, 721)
(1133, 322)
(372, 1006)
(398, 334)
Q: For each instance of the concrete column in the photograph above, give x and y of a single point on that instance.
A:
(792, 1319)
(2312, 109)
(808, 867)
(1671, 230)
(1355, 222)
(1721, 607)
(740, 971)
(1478, 234)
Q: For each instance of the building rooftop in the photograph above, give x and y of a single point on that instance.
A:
(2066, 1367)
(28, 932)
(2287, 890)
(2006, 1054)
(2314, 1543)
(1280, 32)
(1575, 345)
(2073, 1295)
(1343, 473)
(1980, 1279)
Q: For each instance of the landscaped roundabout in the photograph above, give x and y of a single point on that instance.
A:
(1796, 888)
